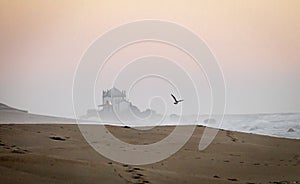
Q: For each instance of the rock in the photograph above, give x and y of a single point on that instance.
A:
(57, 138)
(291, 130)
(232, 179)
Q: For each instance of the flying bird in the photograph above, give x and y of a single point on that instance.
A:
(176, 101)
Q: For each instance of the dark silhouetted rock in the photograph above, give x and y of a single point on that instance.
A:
(57, 138)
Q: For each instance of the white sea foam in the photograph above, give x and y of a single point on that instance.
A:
(276, 125)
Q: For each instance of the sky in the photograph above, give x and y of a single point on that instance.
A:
(256, 43)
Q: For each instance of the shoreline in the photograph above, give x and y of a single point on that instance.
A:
(133, 127)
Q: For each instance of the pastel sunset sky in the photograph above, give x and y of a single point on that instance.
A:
(257, 44)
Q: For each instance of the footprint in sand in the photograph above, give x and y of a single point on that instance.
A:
(230, 135)
(14, 148)
(136, 168)
(19, 151)
(285, 182)
(136, 174)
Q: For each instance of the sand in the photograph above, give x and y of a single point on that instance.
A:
(59, 154)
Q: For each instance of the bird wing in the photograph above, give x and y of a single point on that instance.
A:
(174, 97)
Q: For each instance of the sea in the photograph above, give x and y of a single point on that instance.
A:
(286, 125)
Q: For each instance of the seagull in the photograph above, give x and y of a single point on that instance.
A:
(176, 101)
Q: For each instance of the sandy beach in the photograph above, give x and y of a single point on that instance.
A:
(59, 154)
